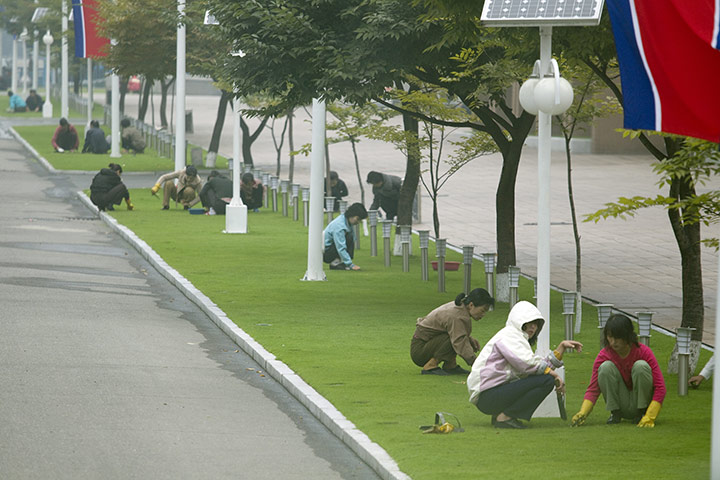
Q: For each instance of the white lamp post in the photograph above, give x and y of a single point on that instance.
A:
(26, 64)
(317, 165)
(64, 106)
(47, 106)
(236, 212)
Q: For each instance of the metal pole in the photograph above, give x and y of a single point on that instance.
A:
(467, 266)
(424, 238)
(64, 108)
(405, 241)
(180, 90)
(36, 59)
(266, 190)
(47, 106)
(274, 192)
(440, 246)
(317, 164)
(683, 335)
(115, 116)
(373, 220)
(386, 230)
(90, 90)
(306, 205)
(236, 214)
(489, 261)
(284, 190)
(15, 69)
(295, 189)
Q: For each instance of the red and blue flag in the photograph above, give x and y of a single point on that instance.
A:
(669, 65)
(88, 43)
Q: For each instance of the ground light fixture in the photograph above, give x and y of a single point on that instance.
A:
(683, 347)
(424, 240)
(604, 311)
(386, 231)
(284, 184)
(329, 206)
(274, 192)
(342, 206)
(295, 191)
(569, 313)
(306, 205)
(373, 221)
(266, 190)
(405, 243)
(489, 261)
(440, 248)
(514, 284)
(644, 326)
(468, 253)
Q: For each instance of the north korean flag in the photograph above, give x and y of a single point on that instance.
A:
(87, 41)
(669, 65)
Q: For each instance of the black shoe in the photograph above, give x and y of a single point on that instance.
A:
(639, 416)
(457, 370)
(512, 423)
(166, 207)
(615, 418)
(435, 371)
(186, 207)
(110, 208)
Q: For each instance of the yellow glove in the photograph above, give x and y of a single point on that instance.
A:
(130, 206)
(648, 420)
(155, 189)
(579, 418)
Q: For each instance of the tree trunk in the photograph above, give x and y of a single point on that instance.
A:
(249, 138)
(291, 144)
(146, 92)
(123, 92)
(412, 173)
(219, 124)
(164, 89)
(576, 236)
(353, 142)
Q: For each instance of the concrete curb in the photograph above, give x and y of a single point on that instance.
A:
(32, 151)
(370, 452)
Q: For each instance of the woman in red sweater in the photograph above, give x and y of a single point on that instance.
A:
(628, 376)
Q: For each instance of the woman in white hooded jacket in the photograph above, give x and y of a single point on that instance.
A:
(508, 380)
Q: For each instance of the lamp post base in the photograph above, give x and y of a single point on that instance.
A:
(236, 219)
(47, 110)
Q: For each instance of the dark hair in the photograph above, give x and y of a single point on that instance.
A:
(64, 122)
(95, 124)
(213, 174)
(190, 171)
(333, 175)
(10, 93)
(619, 326)
(32, 91)
(478, 297)
(356, 210)
(248, 178)
(374, 177)
(115, 167)
(125, 122)
(539, 322)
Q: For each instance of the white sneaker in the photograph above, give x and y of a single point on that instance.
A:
(211, 211)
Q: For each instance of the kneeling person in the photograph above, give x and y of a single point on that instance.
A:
(107, 189)
(339, 238)
(185, 192)
(217, 193)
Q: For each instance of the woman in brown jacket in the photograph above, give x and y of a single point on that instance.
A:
(444, 333)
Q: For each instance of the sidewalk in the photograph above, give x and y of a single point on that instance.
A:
(633, 264)
(110, 372)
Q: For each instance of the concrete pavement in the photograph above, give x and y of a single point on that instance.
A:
(110, 372)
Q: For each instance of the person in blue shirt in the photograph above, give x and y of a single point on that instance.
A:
(17, 104)
(339, 238)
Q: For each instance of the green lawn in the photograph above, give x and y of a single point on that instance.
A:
(40, 136)
(349, 338)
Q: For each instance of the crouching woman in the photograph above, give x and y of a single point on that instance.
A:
(508, 380)
(107, 189)
(627, 375)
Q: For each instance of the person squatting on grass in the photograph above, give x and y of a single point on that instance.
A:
(386, 192)
(107, 189)
(444, 333)
(508, 380)
(338, 189)
(65, 137)
(95, 141)
(17, 104)
(132, 140)
(189, 182)
(216, 193)
(34, 102)
(339, 238)
(251, 192)
(628, 376)
(704, 374)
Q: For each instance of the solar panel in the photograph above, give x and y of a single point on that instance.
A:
(533, 13)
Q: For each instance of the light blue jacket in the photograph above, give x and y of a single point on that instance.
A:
(335, 233)
(17, 101)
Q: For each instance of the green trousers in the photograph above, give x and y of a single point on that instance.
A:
(616, 394)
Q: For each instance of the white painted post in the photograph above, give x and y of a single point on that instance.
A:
(14, 73)
(236, 214)
(115, 116)
(180, 152)
(64, 106)
(715, 436)
(47, 106)
(90, 90)
(317, 164)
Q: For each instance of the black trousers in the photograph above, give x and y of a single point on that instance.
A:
(112, 197)
(331, 252)
(518, 399)
(209, 198)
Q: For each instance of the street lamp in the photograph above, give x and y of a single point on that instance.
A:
(47, 106)
(467, 267)
(683, 348)
(569, 312)
(489, 261)
(514, 283)
(604, 310)
(644, 327)
(424, 236)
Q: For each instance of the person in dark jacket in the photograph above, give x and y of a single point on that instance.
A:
(95, 141)
(251, 192)
(34, 102)
(107, 189)
(216, 193)
(338, 189)
(386, 191)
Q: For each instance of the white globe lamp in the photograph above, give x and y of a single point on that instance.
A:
(553, 95)
(527, 95)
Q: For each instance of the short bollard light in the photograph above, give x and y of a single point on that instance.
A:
(274, 192)
(405, 243)
(489, 261)
(468, 253)
(386, 232)
(569, 313)
(306, 205)
(604, 311)
(644, 327)
(684, 335)
(424, 236)
(342, 206)
(514, 283)
(266, 190)
(440, 250)
(284, 185)
(329, 206)
(373, 220)
(295, 191)
(356, 229)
